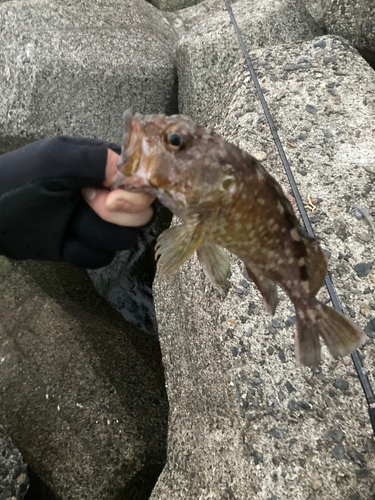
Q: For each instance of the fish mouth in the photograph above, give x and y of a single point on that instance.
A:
(129, 175)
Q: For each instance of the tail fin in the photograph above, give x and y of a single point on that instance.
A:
(341, 335)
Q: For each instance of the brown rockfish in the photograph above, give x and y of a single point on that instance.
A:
(226, 198)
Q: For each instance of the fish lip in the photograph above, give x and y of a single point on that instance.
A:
(128, 120)
(119, 182)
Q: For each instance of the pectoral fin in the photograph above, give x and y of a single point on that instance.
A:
(175, 245)
(215, 262)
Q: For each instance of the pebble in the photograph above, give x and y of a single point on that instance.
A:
(311, 109)
(321, 45)
(270, 350)
(282, 356)
(365, 310)
(357, 458)
(277, 433)
(290, 321)
(250, 309)
(362, 473)
(281, 395)
(341, 233)
(293, 405)
(329, 59)
(259, 155)
(291, 67)
(341, 384)
(316, 484)
(365, 237)
(289, 386)
(363, 269)
(258, 457)
(370, 328)
(338, 452)
(334, 435)
(347, 360)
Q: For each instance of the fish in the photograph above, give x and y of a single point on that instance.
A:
(226, 199)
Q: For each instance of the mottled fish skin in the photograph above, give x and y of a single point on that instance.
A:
(225, 197)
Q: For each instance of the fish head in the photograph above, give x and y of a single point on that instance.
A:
(176, 160)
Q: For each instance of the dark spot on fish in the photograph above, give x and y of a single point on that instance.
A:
(303, 273)
(299, 249)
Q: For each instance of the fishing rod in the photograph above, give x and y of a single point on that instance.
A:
(361, 372)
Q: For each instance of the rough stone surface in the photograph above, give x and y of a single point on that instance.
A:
(82, 391)
(354, 20)
(207, 52)
(230, 397)
(14, 479)
(351, 19)
(69, 68)
(172, 5)
(191, 17)
(318, 10)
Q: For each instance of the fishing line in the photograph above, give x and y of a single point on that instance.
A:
(367, 389)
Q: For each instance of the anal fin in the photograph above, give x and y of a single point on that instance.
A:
(267, 288)
(215, 262)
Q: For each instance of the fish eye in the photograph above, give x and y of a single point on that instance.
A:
(176, 141)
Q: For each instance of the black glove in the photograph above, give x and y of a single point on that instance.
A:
(42, 212)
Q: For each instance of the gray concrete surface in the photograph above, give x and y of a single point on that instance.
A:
(72, 68)
(82, 391)
(351, 19)
(206, 54)
(246, 421)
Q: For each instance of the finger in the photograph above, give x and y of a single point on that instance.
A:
(94, 233)
(97, 201)
(124, 201)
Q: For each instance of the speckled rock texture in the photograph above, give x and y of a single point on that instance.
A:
(69, 68)
(190, 18)
(209, 50)
(246, 421)
(351, 19)
(354, 20)
(82, 391)
(172, 5)
(14, 479)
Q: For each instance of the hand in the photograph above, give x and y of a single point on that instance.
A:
(118, 206)
(43, 214)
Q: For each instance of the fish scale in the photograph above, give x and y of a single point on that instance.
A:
(226, 198)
